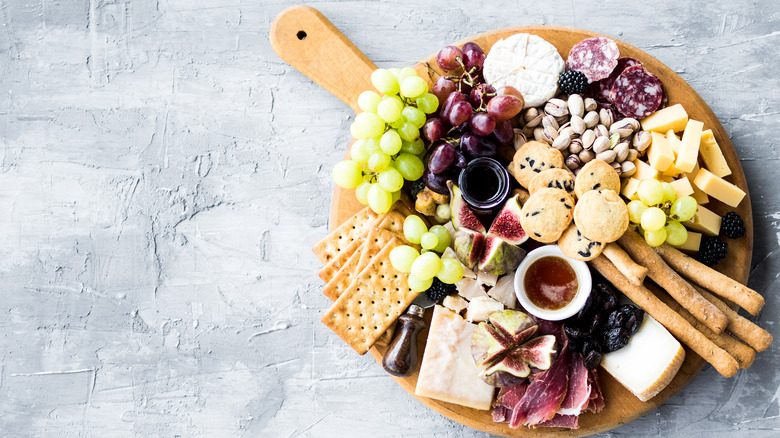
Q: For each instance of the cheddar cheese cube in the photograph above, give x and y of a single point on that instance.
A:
(712, 156)
(682, 187)
(674, 141)
(630, 187)
(644, 170)
(692, 243)
(689, 147)
(673, 117)
(704, 221)
(660, 155)
(718, 188)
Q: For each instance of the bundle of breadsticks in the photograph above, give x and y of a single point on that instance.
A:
(692, 307)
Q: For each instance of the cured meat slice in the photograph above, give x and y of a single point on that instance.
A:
(544, 395)
(594, 57)
(570, 421)
(579, 389)
(602, 87)
(636, 92)
(508, 397)
(596, 399)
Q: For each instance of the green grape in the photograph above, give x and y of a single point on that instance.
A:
(369, 125)
(379, 199)
(426, 266)
(390, 143)
(385, 81)
(372, 145)
(669, 193)
(361, 192)
(390, 180)
(428, 103)
(413, 87)
(348, 174)
(396, 196)
(415, 147)
(676, 234)
(418, 285)
(635, 210)
(683, 209)
(402, 257)
(398, 124)
(655, 238)
(409, 132)
(353, 131)
(429, 240)
(378, 161)
(395, 71)
(389, 109)
(653, 219)
(368, 100)
(414, 116)
(406, 72)
(444, 238)
(410, 166)
(358, 151)
(451, 271)
(414, 228)
(650, 191)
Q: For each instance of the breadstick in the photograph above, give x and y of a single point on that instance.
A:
(741, 352)
(740, 327)
(623, 262)
(712, 280)
(675, 285)
(723, 362)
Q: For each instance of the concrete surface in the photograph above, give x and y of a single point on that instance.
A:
(164, 174)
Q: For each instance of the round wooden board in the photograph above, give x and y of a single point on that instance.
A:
(621, 406)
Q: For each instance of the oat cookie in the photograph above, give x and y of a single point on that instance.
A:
(535, 157)
(596, 175)
(546, 214)
(575, 245)
(601, 215)
(553, 178)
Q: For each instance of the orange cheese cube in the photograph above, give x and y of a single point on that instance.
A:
(644, 170)
(673, 117)
(712, 155)
(689, 148)
(704, 221)
(630, 186)
(682, 187)
(674, 141)
(718, 188)
(660, 155)
(692, 243)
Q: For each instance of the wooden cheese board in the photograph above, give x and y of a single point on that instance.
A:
(305, 39)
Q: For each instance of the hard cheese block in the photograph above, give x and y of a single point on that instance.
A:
(448, 372)
(718, 188)
(660, 155)
(648, 362)
(688, 155)
(705, 221)
(673, 117)
(692, 243)
(712, 155)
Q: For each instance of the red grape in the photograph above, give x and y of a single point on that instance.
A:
(460, 161)
(435, 182)
(478, 95)
(482, 124)
(434, 129)
(477, 146)
(510, 91)
(473, 56)
(504, 134)
(451, 100)
(442, 88)
(442, 157)
(504, 107)
(447, 58)
(460, 112)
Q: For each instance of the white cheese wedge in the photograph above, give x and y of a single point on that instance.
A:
(504, 291)
(470, 288)
(526, 62)
(448, 372)
(456, 303)
(648, 362)
(487, 279)
(481, 307)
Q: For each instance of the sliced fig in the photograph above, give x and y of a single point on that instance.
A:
(538, 351)
(509, 371)
(507, 224)
(487, 346)
(469, 246)
(462, 215)
(500, 256)
(515, 325)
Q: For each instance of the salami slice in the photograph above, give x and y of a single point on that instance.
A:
(602, 87)
(636, 92)
(594, 57)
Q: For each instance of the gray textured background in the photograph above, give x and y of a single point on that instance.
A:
(164, 174)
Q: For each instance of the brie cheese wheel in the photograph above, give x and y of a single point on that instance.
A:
(648, 362)
(448, 372)
(526, 62)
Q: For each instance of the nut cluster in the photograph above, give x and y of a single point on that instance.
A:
(582, 132)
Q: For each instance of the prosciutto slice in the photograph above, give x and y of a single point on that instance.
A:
(506, 400)
(579, 388)
(570, 421)
(596, 403)
(544, 395)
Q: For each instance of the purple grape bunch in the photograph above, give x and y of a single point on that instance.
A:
(473, 118)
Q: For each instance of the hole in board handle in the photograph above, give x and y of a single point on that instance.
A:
(301, 35)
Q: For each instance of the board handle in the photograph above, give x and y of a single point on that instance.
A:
(306, 40)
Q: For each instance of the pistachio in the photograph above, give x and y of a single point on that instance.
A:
(591, 119)
(572, 161)
(622, 127)
(550, 122)
(539, 134)
(641, 140)
(520, 138)
(575, 147)
(590, 104)
(632, 154)
(587, 138)
(605, 117)
(562, 119)
(530, 114)
(622, 151)
(576, 105)
(634, 123)
(586, 156)
(549, 135)
(561, 142)
(607, 156)
(627, 168)
(600, 145)
(613, 140)
(602, 131)
(566, 129)
(577, 124)
(618, 169)
(556, 107)
(528, 131)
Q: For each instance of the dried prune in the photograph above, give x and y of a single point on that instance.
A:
(574, 332)
(595, 323)
(592, 359)
(614, 339)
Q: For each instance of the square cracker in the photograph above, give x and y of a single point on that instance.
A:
(328, 271)
(372, 244)
(354, 227)
(374, 300)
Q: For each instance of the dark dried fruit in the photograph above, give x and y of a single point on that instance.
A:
(592, 359)
(589, 345)
(614, 339)
(574, 332)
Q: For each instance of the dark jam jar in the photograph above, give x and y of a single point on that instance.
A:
(485, 185)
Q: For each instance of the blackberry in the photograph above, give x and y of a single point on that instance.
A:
(573, 82)
(732, 226)
(417, 187)
(439, 290)
(712, 250)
